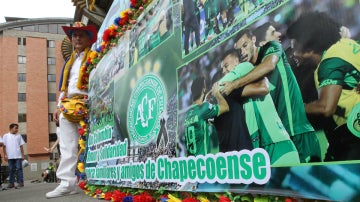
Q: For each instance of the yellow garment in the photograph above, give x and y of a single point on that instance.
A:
(348, 98)
(73, 109)
(68, 66)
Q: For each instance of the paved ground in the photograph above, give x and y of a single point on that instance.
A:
(35, 192)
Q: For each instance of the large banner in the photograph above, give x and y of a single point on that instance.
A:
(240, 95)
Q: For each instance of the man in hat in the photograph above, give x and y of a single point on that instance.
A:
(72, 87)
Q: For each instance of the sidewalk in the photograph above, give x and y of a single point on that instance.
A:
(35, 192)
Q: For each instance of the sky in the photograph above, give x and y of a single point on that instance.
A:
(36, 9)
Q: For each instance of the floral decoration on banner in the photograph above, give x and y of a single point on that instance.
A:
(123, 194)
(87, 67)
(83, 130)
(111, 36)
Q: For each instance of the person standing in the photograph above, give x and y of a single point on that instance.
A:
(190, 23)
(71, 87)
(270, 60)
(14, 154)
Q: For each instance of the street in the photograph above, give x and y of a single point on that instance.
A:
(35, 192)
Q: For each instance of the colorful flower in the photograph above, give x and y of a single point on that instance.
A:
(144, 197)
(81, 167)
(82, 185)
(108, 196)
(118, 196)
(224, 199)
(190, 199)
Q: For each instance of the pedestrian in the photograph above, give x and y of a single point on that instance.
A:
(270, 60)
(72, 92)
(56, 143)
(14, 155)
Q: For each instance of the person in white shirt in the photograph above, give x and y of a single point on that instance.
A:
(14, 154)
(72, 87)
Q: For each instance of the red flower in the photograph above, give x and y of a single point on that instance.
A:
(82, 185)
(190, 199)
(106, 35)
(81, 131)
(224, 199)
(144, 197)
(98, 191)
(108, 196)
(289, 200)
(118, 196)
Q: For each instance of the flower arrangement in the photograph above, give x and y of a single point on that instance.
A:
(111, 36)
(116, 194)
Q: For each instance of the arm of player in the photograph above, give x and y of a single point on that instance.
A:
(261, 70)
(259, 88)
(327, 103)
(223, 105)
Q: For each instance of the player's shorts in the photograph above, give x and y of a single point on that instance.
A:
(308, 146)
(223, 5)
(283, 153)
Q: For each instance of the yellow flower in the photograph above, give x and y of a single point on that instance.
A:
(82, 123)
(93, 55)
(124, 13)
(173, 198)
(203, 199)
(80, 167)
(82, 143)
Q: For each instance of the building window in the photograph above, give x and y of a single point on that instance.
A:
(44, 28)
(50, 117)
(51, 61)
(30, 28)
(51, 78)
(22, 41)
(21, 59)
(21, 97)
(52, 97)
(21, 118)
(51, 44)
(21, 77)
(53, 28)
(24, 136)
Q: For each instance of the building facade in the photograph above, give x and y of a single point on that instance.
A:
(31, 60)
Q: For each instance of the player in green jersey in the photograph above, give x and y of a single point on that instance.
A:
(263, 122)
(196, 123)
(317, 38)
(270, 60)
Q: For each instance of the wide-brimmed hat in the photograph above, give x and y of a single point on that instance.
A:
(90, 29)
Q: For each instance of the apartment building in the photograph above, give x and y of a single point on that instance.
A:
(31, 59)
